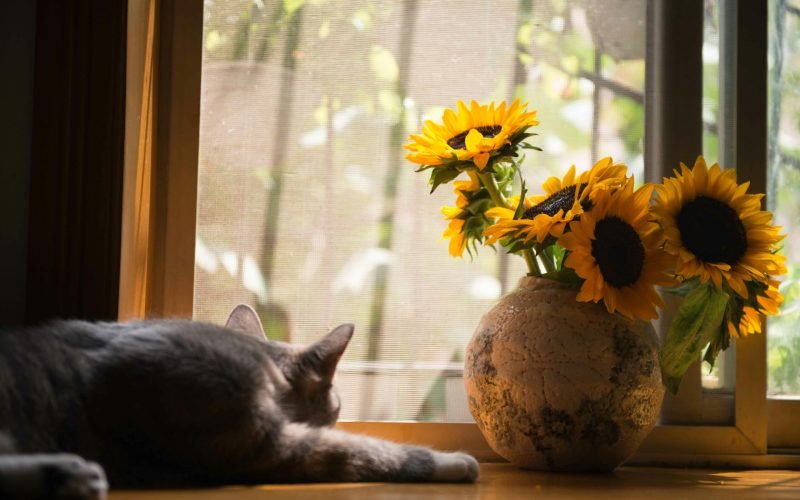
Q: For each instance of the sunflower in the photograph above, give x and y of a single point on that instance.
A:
(467, 193)
(715, 230)
(745, 319)
(614, 247)
(564, 200)
(470, 134)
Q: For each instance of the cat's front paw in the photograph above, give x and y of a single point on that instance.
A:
(69, 477)
(455, 468)
(59, 477)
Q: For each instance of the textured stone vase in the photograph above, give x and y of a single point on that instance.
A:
(556, 384)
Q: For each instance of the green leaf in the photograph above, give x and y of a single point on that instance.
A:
(522, 132)
(382, 61)
(442, 176)
(556, 254)
(474, 226)
(525, 34)
(361, 19)
(480, 206)
(694, 325)
(525, 135)
(517, 245)
(720, 342)
(684, 288)
(290, 6)
(213, 40)
(324, 29)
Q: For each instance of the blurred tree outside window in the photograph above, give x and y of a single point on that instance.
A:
(307, 209)
(783, 190)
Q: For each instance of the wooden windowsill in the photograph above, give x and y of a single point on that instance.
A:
(504, 481)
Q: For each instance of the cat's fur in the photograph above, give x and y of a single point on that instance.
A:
(180, 402)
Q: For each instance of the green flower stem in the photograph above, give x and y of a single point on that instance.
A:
(490, 183)
(547, 263)
(541, 260)
(530, 260)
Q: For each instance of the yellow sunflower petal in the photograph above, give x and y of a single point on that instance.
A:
(500, 213)
(451, 212)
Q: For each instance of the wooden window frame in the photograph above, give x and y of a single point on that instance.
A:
(161, 154)
(159, 218)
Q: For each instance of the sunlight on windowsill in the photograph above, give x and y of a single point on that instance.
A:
(506, 481)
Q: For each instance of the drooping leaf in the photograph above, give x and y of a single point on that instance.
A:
(442, 175)
(720, 342)
(694, 325)
(722, 339)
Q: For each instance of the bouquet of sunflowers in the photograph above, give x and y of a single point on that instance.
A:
(698, 234)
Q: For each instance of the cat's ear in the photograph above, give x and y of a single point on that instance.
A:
(324, 355)
(244, 319)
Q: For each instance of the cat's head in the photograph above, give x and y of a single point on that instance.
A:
(302, 376)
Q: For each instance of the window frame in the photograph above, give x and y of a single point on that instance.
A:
(673, 134)
(161, 156)
(159, 211)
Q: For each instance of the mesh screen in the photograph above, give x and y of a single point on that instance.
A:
(307, 209)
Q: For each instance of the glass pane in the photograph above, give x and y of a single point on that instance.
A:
(783, 342)
(711, 55)
(722, 376)
(307, 209)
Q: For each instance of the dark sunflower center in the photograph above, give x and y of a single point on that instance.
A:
(618, 251)
(459, 141)
(560, 200)
(712, 230)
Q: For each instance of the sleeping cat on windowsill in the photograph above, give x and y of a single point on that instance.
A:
(170, 402)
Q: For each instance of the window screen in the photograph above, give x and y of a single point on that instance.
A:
(307, 209)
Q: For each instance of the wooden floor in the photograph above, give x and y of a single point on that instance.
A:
(503, 481)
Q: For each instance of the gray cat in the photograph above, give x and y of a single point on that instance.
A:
(171, 403)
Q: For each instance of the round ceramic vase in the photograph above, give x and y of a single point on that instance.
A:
(556, 384)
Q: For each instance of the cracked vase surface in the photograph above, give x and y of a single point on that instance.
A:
(556, 384)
